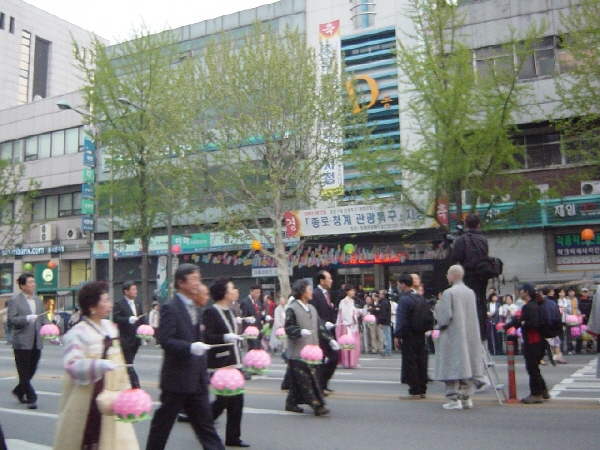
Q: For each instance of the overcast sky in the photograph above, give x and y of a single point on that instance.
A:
(114, 19)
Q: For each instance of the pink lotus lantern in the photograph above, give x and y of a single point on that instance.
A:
(583, 327)
(144, 332)
(435, 334)
(500, 327)
(49, 332)
(572, 320)
(511, 331)
(347, 342)
(280, 333)
(369, 319)
(517, 313)
(227, 381)
(257, 361)
(133, 405)
(312, 354)
(251, 332)
(576, 332)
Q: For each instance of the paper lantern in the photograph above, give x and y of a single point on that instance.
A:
(255, 245)
(257, 361)
(311, 354)
(435, 334)
(575, 332)
(517, 313)
(370, 319)
(133, 405)
(144, 332)
(52, 264)
(583, 327)
(572, 320)
(27, 267)
(176, 248)
(280, 333)
(49, 332)
(511, 331)
(349, 249)
(347, 342)
(587, 234)
(227, 381)
(251, 332)
(500, 327)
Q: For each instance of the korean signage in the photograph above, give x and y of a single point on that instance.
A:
(87, 206)
(88, 175)
(571, 249)
(87, 223)
(45, 277)
(87, 191)
(354, 219)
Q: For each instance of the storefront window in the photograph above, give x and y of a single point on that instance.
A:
(80, 271)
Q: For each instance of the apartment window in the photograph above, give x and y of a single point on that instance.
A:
(69, 204)
(18, 150)
(495, 59)
(2, 21)
(45, 207)
(363, 13)
(581, 149)
(541, 62)
(8, 213)
(58, 143)
(540, 150)
(44, 145)
(71, 141)
(40, 67)
(6, 151)
(31, 148)
(24, 66)
(566, 60)
(11, 26)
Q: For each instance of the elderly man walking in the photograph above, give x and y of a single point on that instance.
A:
(458, 356)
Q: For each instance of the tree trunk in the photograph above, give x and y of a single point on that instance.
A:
(281, 257)
(145, 288)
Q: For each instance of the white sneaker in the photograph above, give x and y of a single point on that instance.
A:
(467, 404)
(453, 404)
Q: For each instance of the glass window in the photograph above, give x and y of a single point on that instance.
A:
(71, 141)
(39, 208)
(80, 272)
(566, 60)
(18, 150)
(77, 203)
(543, 150)
(44, 145)
(528, 68)
(6, 150)
(52, 207)
(65, 205)
(545, 62)
(31, 148)
(58, 143)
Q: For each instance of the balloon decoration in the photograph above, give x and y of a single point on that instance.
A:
(176, 248)
(52, 264)
(227, 381)
(588, 234)
(27, 267)
(255, 245)
(312, 354)
(133, 405)
(349, 249)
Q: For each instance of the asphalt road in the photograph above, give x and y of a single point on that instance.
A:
(365, 410)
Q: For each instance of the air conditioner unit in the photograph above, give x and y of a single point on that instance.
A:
(47, 232)
(590, 187)
(73, 233)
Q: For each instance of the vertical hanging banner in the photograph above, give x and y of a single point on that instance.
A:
(330, 49)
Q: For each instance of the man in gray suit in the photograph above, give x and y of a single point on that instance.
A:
(25, 314)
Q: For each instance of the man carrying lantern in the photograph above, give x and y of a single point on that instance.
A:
(250, 309)
(26, 317)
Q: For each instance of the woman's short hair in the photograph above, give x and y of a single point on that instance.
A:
(299, 287)
(89, 295)
(348, 287)
(219, 288)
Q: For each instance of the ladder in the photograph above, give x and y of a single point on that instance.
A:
(490, 368)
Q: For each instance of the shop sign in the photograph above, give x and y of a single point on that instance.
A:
(87, 223)
(45, 277)
(87, 191)
(89, 159)
(88, 175)
(33, 251)
(87, 206)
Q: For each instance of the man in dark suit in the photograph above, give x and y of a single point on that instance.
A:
(127, 314)
(25, 315)
(323, 303)
(184, 378)
(250, 309)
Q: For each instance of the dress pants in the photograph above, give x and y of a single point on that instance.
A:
(479, 286)
(197, 407)
(414, 363)
(26, 362)
(234, 406)
(533, 354)
(330, 361)
(129, 353)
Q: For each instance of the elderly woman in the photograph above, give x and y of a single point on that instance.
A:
(302, 328)
(95, 373)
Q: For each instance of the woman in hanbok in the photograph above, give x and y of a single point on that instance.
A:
(95, 374)
(278, 321)
(347, 323)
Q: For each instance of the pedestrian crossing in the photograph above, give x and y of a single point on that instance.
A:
(581, 385)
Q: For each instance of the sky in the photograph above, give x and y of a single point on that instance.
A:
(115, 19)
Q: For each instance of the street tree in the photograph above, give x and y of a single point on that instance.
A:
(459, 121)
(271, 120)
(136, 93)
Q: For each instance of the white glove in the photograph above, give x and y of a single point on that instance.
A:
(305, 332)
(238, 320)
(334, 345)
(249, 319)
(232, 337)
(329, 325)
(267, 318)
(104, 365)
(199, 348)
(133, 319)
(31, 318)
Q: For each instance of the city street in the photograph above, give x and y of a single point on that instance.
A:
(365, 410)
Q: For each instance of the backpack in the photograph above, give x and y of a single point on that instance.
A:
(422, 319)
(550, 319)
(489, 267)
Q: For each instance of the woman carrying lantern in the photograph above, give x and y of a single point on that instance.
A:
(220, 327)
(347, 324)
(277, 342)
(95, 374)
(303, 329)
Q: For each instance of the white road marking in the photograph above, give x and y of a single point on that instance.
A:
(582, 380)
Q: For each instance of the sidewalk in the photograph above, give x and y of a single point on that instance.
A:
(17, 444)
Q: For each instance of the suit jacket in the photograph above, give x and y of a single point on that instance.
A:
(127, 332)
(326, 313)
(247, 309)
(182, 372)
(26, 335)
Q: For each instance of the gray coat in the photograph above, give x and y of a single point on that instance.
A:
(458, 355)
(24, 332)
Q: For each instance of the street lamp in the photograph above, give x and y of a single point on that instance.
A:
(125, 101)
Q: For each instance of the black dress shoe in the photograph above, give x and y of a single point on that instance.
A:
(182, 418)
(239, 444)
(328, 391)
(32, 405)
(21, 397)
(295, 409)
(322, 411)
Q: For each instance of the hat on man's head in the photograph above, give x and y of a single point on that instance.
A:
(529, 287)
(585, 290)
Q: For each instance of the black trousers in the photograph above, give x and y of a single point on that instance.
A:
(26, 362)
(2, 442)
(327, 369)
(533, 354)
(479, 286)
(197, 407)
(414, 363)
(234, 406)
(129, 353)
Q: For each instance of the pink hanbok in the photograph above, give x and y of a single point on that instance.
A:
(347, 324)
